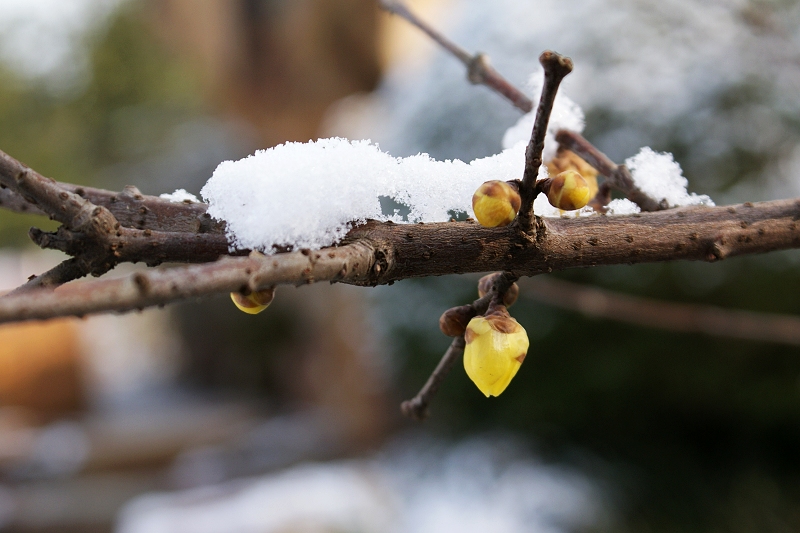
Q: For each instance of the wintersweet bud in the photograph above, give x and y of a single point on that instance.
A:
(254, 302)
(569, 160)
(453, 322)
(569, 191)
(485, 285)
(496, 346)
(496, 203)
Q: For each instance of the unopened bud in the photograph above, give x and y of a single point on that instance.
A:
(569, 191)
(485, 285)
(569, 160)
(453, 322)
(496, 203)
(254, 302)
(496, 345)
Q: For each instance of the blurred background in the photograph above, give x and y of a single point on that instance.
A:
(199, 418)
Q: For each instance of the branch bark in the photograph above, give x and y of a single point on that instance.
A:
(382, 253)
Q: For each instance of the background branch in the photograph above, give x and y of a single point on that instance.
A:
(683, 318)
(479, 69)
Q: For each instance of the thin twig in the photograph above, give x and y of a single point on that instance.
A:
(670, 316)
(64, 272)
(556, 67)
(417, 407)
(479, 69)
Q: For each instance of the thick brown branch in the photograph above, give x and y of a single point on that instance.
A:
(349, 264)
(479, 69)
(690, 233)
(684, 318)
(381, 253)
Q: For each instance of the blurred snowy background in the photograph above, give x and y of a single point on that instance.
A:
(199, 418)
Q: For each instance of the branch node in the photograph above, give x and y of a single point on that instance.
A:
(477, 68)
(142, 283)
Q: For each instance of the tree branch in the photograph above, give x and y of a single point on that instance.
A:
(64, 272)
(556, 67)
(683, 318)
(479, 69)
(350, 264)
(92, 233)
(130, 207)
(382, 253)
(417, 407)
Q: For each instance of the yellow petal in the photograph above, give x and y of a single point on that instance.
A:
(494, 353)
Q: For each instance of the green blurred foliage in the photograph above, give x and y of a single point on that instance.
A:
(134, 93)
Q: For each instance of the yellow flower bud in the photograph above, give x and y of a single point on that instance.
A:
(569, 160)
(496, 203)
(485, 284)
(496, 347)
(569, 191)
(255, 302)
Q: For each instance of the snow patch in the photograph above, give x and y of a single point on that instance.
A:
(308, 195)
(622, 206)
(180, 196)
(659, 176)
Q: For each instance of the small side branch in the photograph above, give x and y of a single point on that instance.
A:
(64, 272)
(479, 71)
(417, 407)
(556, 67)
